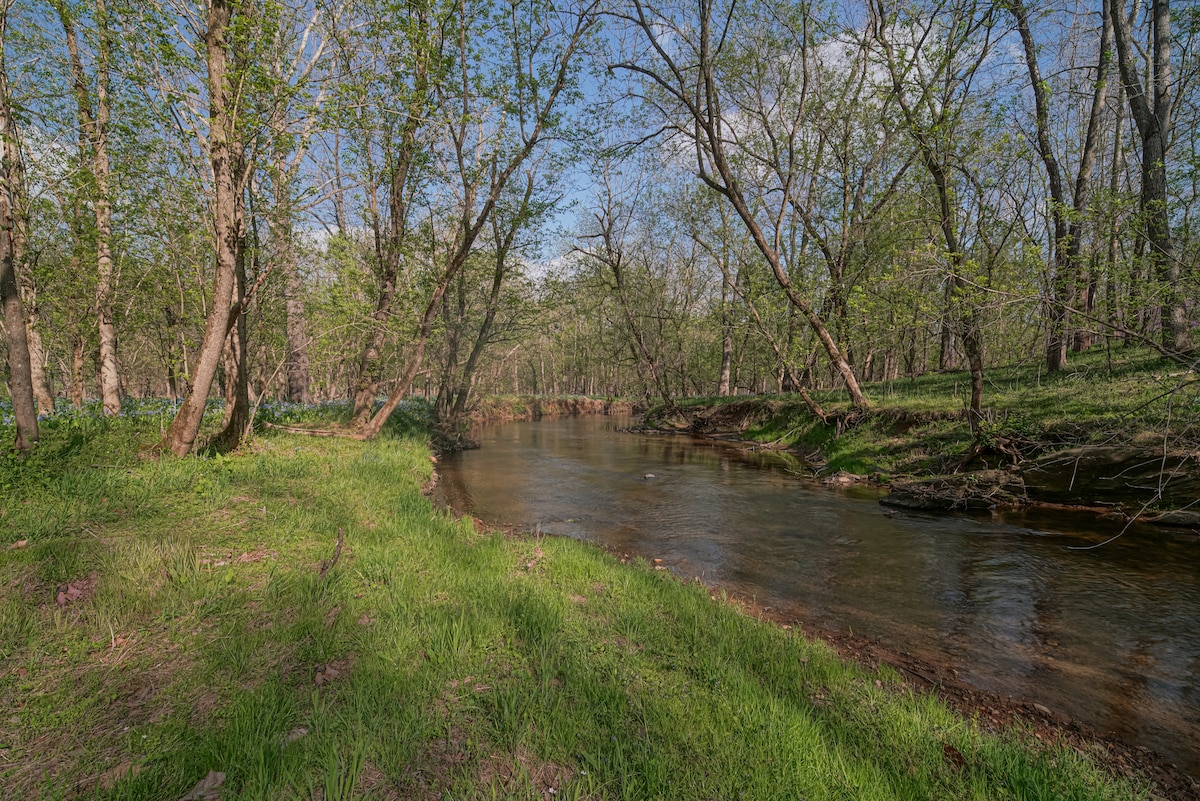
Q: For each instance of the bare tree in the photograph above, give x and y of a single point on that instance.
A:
(681, 60)
(1151, 106)
(1067, 215)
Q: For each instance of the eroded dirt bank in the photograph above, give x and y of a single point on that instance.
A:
(929, 464)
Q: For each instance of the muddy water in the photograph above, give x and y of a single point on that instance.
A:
(1108, 636)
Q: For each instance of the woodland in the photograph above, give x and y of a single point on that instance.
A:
(316, 200)
(388, 216)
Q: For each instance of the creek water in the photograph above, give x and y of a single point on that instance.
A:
(1108, 636)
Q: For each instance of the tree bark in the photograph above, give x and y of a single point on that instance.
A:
(1067, 279)
(11, 207)
(1152, 115)
(224, 149)
(297, 326)
(95, 126)
(236, 422)
(726, 342)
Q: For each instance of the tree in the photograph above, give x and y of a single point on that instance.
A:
(94, 119)
(499, 120)
(1067, 215)
(1151, 106)
(932, 98)
(12, 202)
(689, 88)
(226, 153)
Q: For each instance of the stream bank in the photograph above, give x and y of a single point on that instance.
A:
(929, 461)
(994, 613)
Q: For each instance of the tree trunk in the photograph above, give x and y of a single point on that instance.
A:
(25, 285)
(224, 152)
(284, 242)
(1066, 276)
(1153, 119)
(20, 375)
(77, 353)
(236, 422)
(726, 342)
(297, 333)
(11, 207)
(95, 127)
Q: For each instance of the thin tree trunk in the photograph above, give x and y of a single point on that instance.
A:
(293, 288)
(1152, 115)
(95, 126)
(726, 342)
(25, 285)
(77, 353)
(1059, 287)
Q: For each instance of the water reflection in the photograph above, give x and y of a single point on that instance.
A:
(1108, 636)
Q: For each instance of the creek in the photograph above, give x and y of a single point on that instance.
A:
(1010, 602)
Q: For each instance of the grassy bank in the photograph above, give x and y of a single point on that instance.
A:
(163, 621)
(918, 426)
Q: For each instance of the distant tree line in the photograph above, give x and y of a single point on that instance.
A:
(317, 199)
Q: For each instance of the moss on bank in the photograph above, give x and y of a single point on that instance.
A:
(163, 621)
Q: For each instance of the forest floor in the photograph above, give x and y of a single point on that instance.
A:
(1118, 431)
(296, 620)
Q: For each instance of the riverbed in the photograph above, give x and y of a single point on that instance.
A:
(1013, 604)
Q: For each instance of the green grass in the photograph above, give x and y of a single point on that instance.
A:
(919, 426)
(431, 661)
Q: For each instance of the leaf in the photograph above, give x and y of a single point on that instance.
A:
(109, 778)
(209, 788)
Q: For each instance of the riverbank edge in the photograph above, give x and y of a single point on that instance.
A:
(989, 711)
(185, 619)
(1129, 482)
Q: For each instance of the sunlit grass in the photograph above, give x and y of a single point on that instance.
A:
(432, 660)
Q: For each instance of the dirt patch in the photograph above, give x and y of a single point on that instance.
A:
(730, 418)
(434, 770)
(76, 591)
(524, 774)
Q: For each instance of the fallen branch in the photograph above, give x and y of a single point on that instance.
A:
(316, 432)
(327, 564)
